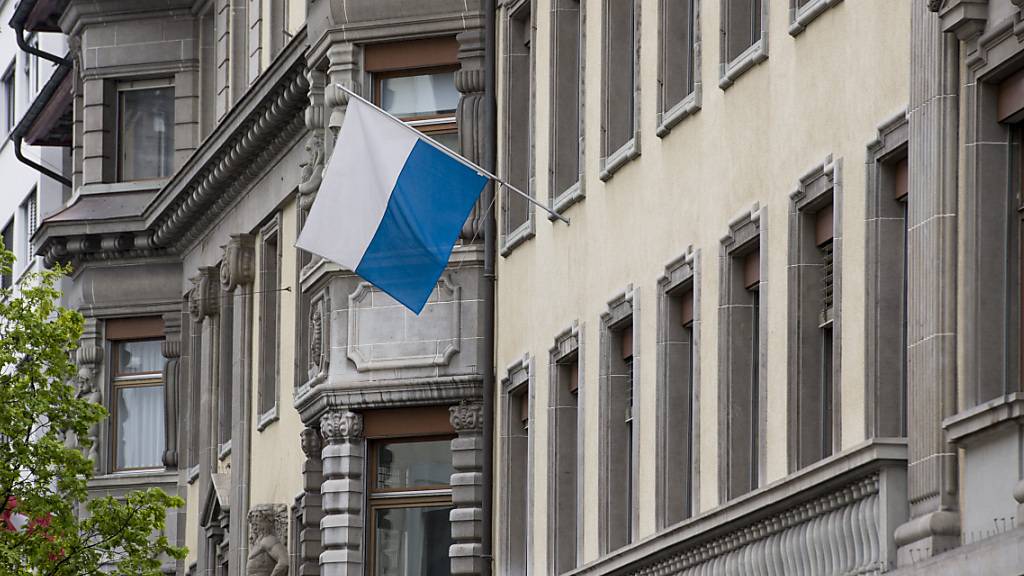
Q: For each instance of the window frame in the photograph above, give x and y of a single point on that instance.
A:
(731, 69)
(385, 499)
(612, 160)
(268, 414)
(513, 237)
(120, 88)
(800, 17)
(566, 352)
(516, 388)
(561, 198)
(9, 93)
(151, 379)
(672, 112)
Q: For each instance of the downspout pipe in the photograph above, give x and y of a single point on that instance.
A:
(18, 24)
(17, 139)
(490, 252)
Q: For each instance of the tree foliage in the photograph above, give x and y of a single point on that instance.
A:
(48, 526)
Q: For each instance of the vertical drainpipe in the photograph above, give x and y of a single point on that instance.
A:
(490, 245)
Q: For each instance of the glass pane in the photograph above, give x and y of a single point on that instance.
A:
(140, 426)
(147, 133)
(425, 95)
(414, 464)
(449, 140)
(412, 541)
(136, 357)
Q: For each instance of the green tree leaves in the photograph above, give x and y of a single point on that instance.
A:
(47, 525)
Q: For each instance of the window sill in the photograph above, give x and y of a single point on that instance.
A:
(113, 187)
(750, 57)
(224, 450)
(134, 477)
(518, 236)
(973, 423)
(800, 18)
(567, 198)
(683, 109)
(624, 155)
(266, 419)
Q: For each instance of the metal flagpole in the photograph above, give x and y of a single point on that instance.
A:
(458, 158)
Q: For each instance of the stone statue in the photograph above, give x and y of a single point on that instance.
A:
(268, 555)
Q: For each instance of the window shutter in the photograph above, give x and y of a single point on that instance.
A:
(752, 269)
(823, 226)
(901, 186)
(686, 307)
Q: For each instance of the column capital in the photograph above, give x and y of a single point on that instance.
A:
(339, 425)
(238, 268)
(467, 417)
(203, 299)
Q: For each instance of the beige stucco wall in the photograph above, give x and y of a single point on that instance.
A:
(822, 92)
(276, 461)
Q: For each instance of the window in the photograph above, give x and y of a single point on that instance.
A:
(566, 94)
(516, 416)
(29, 213)
(741, 336)
(424, 98)
(565, 514)
(678, 63)
(137, 403)
(145, 142)
(814, 320)
(31, 70)
(886, 281)
(619, 101)
(618, 386)
(409, 504)
(7, 279)
(744, 37)
(7, 85)
(677, 433)
(269, 339)
(516, 211)
(207, 72)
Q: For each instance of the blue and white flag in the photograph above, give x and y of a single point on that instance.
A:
(390, 206)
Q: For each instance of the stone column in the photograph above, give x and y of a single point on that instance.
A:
(469, 80)
(309, 547)
(341, 529)
(237, 273)
(932, 280)
(467, 489)
(203, 308)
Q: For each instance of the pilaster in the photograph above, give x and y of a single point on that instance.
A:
(469, 80)
(342, 491)
(310, 503)
(932, 285)
(204, 310)
(237, 273)
(171, 350)
(467, 489)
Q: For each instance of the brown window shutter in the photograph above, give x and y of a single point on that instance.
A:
(1011, 98)
(752, 269)
(686, 307)
(901, 185)
(524, 408)
(823, 225)
(397, 422)
(411, 54)
(135, 328)
(574, 376)
(627, 342)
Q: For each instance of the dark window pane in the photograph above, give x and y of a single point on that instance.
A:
(414, 464)
(412, 541)
(147, 133)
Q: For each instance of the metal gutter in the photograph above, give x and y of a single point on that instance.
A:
(21, 13)
(30, 116)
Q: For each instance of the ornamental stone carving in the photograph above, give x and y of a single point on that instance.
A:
(268, 553)
(467, 417)
(202, 301)
(238, 268)
(88, 359)
(318, 338)
(337, 425)
(311, 444)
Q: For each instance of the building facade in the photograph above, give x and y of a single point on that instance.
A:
(781, 334)
(312, 425)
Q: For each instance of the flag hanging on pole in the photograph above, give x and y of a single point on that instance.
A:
(391, 204)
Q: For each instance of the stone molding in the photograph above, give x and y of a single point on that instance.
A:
(965, 18)
(801, 17)
(339, 426)
(204, 298)
(319, 339)
(238, 267)
(672, 113)
(311, 443)
(757, 53)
